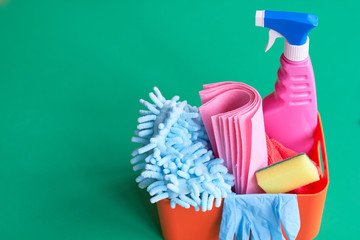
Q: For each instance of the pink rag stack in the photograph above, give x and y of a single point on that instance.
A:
(233, 118)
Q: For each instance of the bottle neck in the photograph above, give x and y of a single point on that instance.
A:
(296, 82)
(296, 53)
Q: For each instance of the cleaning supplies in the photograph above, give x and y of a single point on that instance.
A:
(260, 216)
(176, 162)
(290, 113)
(180, 223)
(287, 175)
(233, 119)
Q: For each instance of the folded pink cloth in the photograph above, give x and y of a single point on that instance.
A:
(233, 118)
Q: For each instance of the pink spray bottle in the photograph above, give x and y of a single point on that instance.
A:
(290, 113)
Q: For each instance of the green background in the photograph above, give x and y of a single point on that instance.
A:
(71, 75)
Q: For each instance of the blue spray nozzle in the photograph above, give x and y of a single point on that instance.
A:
(295, 27)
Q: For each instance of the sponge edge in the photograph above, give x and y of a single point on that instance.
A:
(288, 174)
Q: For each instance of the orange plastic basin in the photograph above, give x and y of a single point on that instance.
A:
(183, 224)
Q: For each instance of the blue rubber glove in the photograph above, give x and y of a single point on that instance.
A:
(262, 214)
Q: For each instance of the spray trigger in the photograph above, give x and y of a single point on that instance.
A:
(273, 35)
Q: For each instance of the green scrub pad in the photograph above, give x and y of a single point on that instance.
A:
(288, 174)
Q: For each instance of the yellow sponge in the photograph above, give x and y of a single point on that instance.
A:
(288, 174)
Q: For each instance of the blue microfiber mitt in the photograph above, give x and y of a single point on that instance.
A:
(175, 157)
